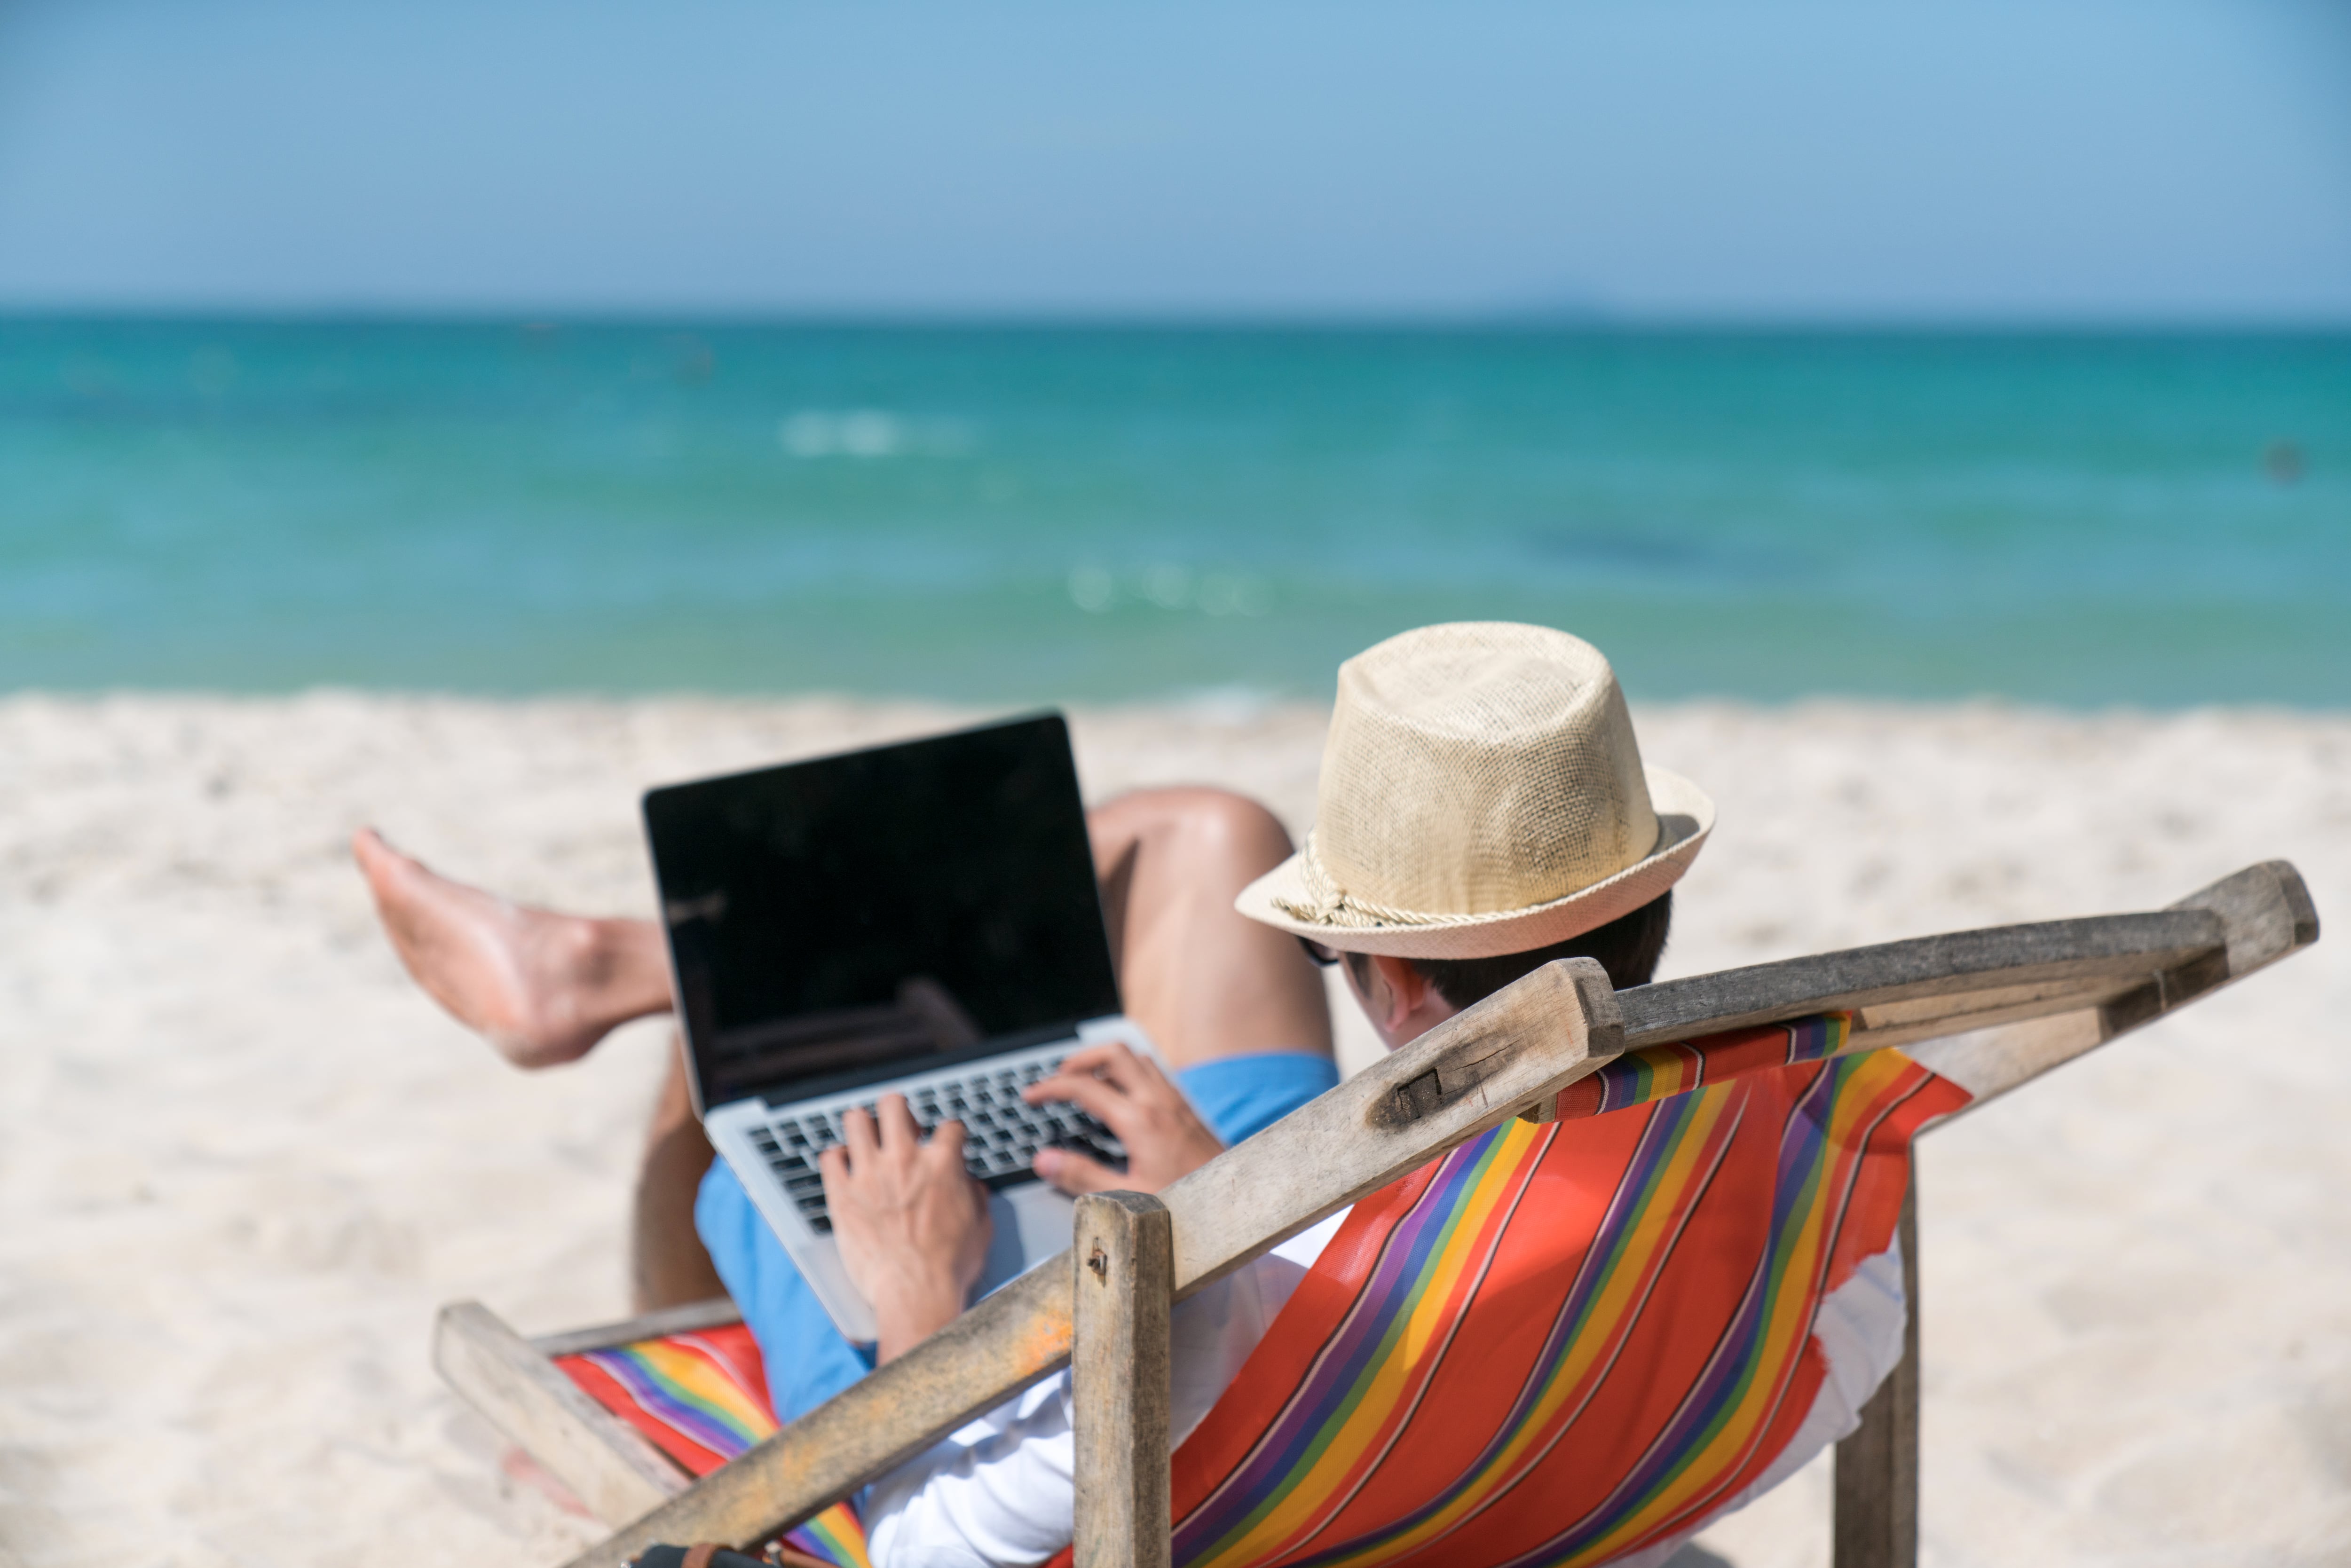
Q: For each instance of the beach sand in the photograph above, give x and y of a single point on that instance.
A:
(242, 1161)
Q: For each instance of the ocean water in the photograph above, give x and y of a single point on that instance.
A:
(1007, 514)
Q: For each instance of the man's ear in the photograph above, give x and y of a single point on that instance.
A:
(1403, 989)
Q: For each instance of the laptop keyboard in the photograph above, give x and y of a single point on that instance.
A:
(1002, 1132)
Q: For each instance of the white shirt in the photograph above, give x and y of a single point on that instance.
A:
(1000, 1491)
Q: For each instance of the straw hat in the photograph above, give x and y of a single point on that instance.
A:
(1481, 794)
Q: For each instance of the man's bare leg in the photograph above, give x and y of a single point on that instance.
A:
(668, 1266)
(543, 988)
(1203, 979)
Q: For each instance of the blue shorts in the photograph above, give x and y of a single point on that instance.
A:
(809, 1361)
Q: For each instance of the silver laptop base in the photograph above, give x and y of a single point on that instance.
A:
(773, 1149)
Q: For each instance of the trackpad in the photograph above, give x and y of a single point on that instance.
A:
(1033, 1221)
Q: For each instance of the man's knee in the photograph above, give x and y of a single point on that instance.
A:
(1201, 825)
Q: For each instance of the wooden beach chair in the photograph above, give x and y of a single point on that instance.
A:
(1973, 1014)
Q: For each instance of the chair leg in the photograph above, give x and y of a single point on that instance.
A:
(1878, 1466)
(1124, 1253)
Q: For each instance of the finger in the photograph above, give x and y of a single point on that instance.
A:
(1063, 1085)
(1109, 1064)
(1112, 1064)
(1148, 1075)
(1098, 1100)
(1117, 1065)
(1075, 1174)
(946, 1138)
(832, 1164)
(1085, 1058)
(858, 1136)
(899, 1128)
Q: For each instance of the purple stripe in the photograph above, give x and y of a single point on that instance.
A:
(1734, 1353)
(1803, 1149)
(1397, 1279)
(653, 1394)
(1525, 1179)
(1635, 1192)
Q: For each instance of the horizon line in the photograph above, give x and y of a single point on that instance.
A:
(1241, 694)
(1562, 322)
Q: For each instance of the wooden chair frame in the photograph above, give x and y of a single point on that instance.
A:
(1990, 1010)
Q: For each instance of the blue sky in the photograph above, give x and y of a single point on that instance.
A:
(2141, 161)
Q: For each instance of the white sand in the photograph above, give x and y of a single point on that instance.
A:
(241, 1162)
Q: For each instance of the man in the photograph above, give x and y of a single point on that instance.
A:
(1483, 809)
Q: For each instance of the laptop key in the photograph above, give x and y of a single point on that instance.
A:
(1002, 1132)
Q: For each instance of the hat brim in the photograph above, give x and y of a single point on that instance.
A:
(1685, 818)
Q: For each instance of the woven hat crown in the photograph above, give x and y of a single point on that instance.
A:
(1476, 768)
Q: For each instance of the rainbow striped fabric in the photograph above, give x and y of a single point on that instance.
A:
(1565, 1342)
(1641, 1077)
(702, 1398)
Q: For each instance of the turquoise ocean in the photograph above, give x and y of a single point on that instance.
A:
(1023, 512)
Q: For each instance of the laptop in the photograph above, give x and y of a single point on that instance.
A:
(920, 918)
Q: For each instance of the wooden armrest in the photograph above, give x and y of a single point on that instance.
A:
(608, 1464)
(716, 1313)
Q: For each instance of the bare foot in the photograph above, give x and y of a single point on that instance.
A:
(543, 988)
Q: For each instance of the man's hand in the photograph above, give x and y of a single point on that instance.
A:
(1164, 1137)
(912, 1223)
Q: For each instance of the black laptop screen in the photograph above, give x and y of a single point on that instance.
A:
(833, 922)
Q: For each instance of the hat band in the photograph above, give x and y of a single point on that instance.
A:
(1327, 904)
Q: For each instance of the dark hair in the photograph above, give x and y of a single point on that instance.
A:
(1629, 947)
